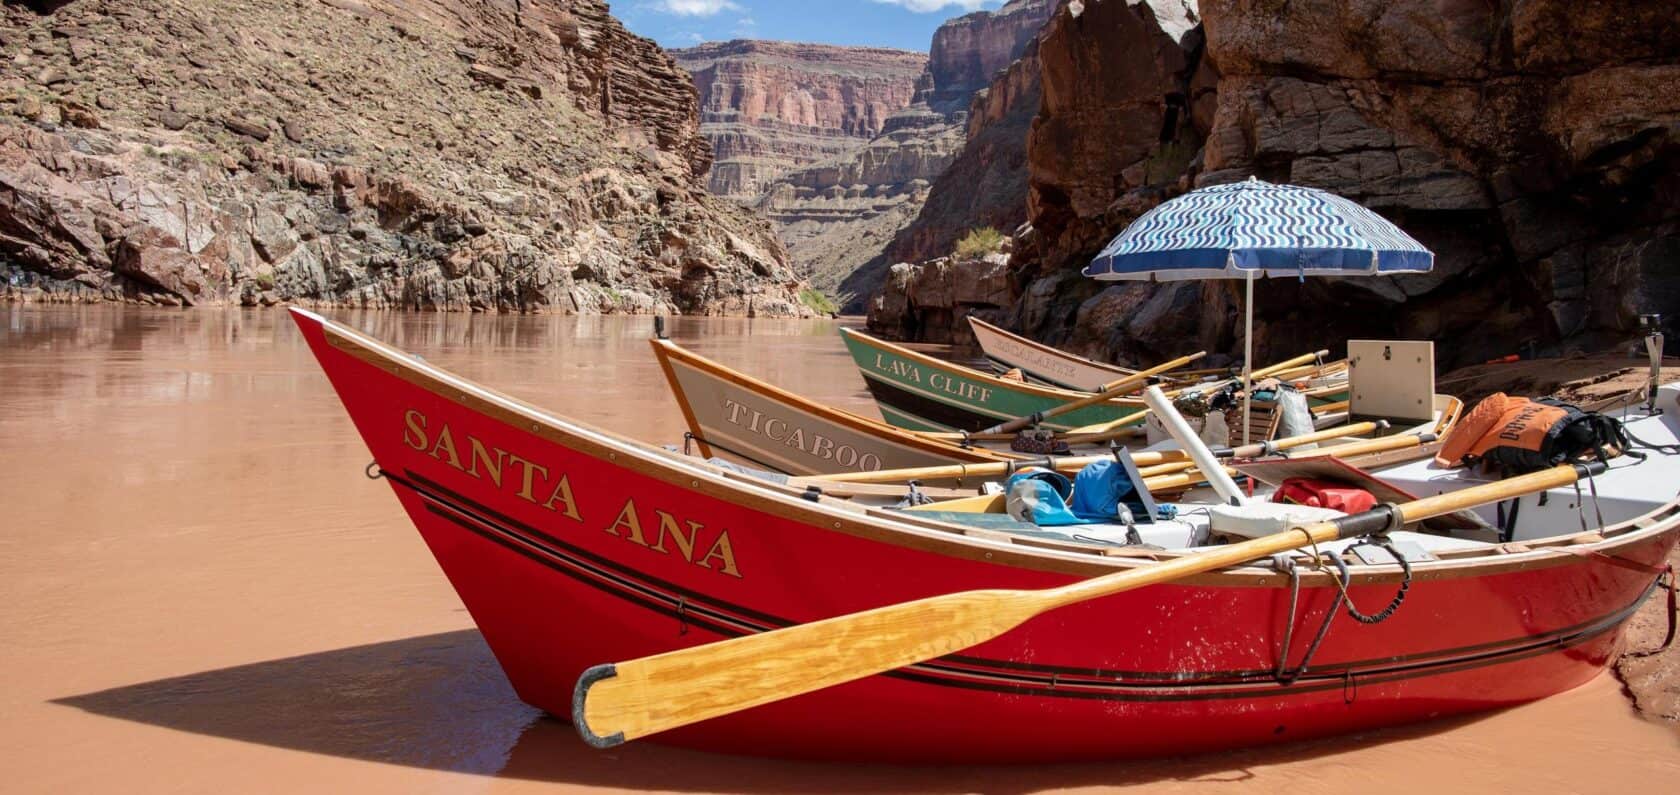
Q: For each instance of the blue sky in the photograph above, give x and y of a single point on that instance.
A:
(906, 24)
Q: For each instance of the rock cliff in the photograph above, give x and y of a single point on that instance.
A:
(771, 107)
(1534, 145)
(839, 217)
(969, 50)
(986, 183)
(471, 154)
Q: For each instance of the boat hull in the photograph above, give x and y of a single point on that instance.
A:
(763, 426)
(1041, 363)
(572, 548)
(922, 393)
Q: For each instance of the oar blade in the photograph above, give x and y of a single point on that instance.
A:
(616, 703)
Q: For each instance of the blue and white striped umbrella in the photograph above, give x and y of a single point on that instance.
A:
(1251, 229)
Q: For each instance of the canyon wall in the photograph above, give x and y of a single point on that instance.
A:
(770, 107)
(840, 216)
(1534, 145)
(968, 51)
(489, 155)
(986, 183)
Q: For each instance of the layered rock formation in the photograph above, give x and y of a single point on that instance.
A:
(968, 51)
(1534, 145)
(770, 107)
(474, 154)
(840, 216)
(986, 183)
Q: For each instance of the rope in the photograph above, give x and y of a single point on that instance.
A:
(1346, 577)
(1673, 614)
(1288, 677)
(1665, 449)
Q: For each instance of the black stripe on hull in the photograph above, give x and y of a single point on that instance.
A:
(942, 414)
(1000, 676)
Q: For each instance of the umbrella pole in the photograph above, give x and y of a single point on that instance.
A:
(1248, 353)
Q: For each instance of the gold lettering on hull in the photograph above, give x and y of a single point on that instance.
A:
(628, 526)
(1040, 361)
(810, 442)
(898, 368)
(962, 389)
(684, 538)
(906, 371)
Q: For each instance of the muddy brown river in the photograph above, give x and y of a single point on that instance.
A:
(200, 592)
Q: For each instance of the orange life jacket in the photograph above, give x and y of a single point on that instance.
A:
(1521, 435)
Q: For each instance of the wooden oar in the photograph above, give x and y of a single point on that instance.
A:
(1171, 483)
(1078, 462)
(1259, 449)
(1130, 383)
(1288, 364)
(991, 469)
(1108, 430)
(615, 703)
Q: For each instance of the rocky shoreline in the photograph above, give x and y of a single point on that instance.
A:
(488, 155)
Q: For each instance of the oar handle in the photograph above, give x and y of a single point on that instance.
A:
(1015, 424)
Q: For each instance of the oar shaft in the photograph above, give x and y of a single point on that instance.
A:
(1116, 389)
(1149, 459)
(615, 703)
(994, 469)
(1289, 443)
(1385, 518)
(1288, 364)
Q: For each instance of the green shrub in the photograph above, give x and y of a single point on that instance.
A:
(978, 243)
(819, 303)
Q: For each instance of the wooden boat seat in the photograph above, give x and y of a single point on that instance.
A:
(1264, 417)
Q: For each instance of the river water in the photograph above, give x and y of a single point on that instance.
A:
(199, 592)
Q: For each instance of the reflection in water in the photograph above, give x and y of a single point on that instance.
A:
(192, 568)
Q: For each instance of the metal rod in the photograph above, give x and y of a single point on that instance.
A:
(1248, 356)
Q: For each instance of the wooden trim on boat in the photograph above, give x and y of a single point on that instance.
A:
(1037, 390)
(666, 349)
(694, 431)
(1121, 372)
(948, 540)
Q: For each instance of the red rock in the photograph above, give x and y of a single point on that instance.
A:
(770, 107)
(597, 146)
(246, 127)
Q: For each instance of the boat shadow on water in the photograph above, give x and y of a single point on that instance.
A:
(440, 702)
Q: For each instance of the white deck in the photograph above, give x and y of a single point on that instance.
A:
(1630, 489)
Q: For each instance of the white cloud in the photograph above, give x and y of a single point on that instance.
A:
(926, 6)
(695, 8)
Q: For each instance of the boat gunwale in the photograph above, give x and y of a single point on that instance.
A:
(1036, 390)
(840, 516)
(978, 325)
